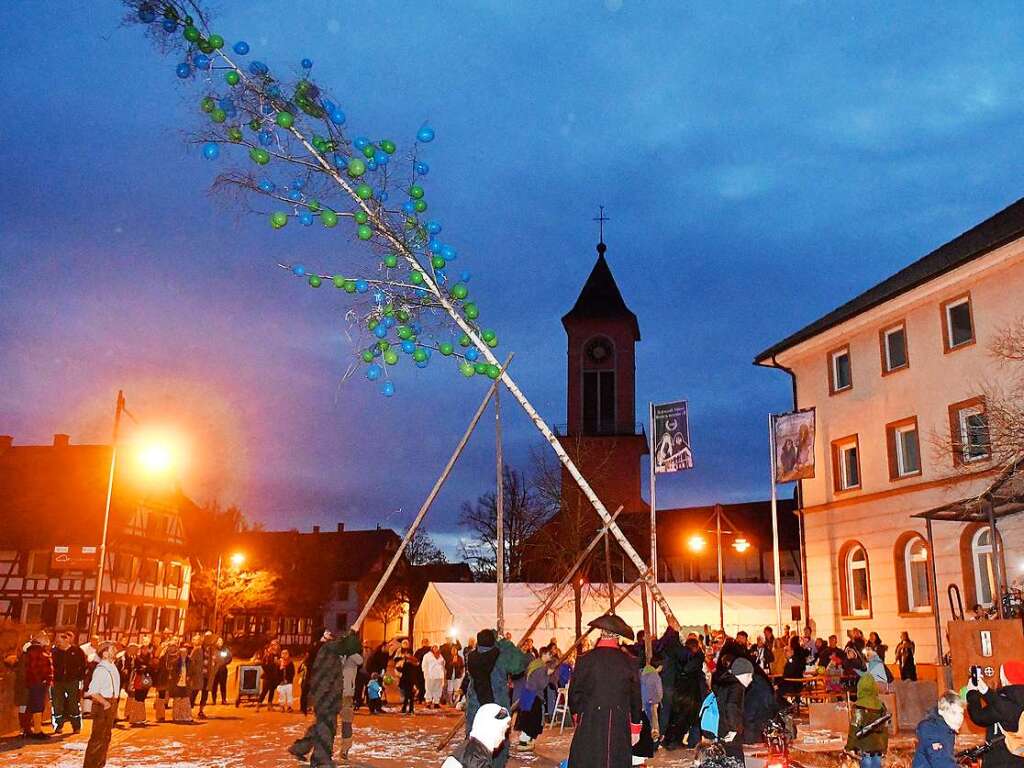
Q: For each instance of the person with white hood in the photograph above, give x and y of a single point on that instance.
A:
(489, 731)
(433, 676)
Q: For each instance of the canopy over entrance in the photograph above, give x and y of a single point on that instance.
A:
(459, 610)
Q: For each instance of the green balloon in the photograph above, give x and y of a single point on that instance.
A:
(416, 278)
(480, 368)
(356, 167)
(446, 348)
(388, 146)
(364, 232)
(314, 281)
(489, 335)
(216, 41)
(438, 262)
(419, 355)
(402, 315)
(339, 281)
(372, 322)
(329, 218)
(361, 216)
(415, 191)
(285, 119)
(350, 286)
(464, 341)
(208, 104)
(472, 310)
(383, 345)
(388, 310)
(405, 332)
(204, 46)
(420, 206)
(467, 369)
(259, 155)
(391, 261)
(235, 133)
(367, 356)
(314, 205)
(278, 219)
(493, 343)
(218, 115)
(232, 77)
(368, 151)
(493, 371)
(254, 125)
(460, 291)
(391, 357)
(364, 192)
(190, 33)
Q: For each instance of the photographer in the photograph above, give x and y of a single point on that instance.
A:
(999, 712)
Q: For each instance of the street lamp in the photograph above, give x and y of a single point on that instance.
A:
(237, 559)
(697, 544)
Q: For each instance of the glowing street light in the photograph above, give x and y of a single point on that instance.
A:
(696, 543)
(156, 458)
(237, 559)
(741, 545)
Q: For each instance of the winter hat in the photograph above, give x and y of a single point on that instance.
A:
(867, 693)
(486, 638)
(491, 725)
(1012, 672)
(742, 666)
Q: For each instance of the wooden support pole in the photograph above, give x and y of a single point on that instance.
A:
(649, 655)
(608, 568)
(426, 504)
(499, 503)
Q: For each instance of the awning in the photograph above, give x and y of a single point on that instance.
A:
(1005, 496)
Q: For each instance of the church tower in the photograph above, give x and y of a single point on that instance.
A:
(601, 432)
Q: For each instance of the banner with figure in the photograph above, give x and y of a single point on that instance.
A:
(794, 446)
(671, 431)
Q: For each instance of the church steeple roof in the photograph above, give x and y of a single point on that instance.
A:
(600, 298)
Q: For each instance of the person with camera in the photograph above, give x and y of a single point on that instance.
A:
(999, 711)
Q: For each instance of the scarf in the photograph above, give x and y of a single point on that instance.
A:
(480, 664)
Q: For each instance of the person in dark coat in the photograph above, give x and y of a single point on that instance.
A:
(68, 674)
(998, 711)
(325, 687)
(759, 706)
(604, 699)
(689, 690)
(729, 684)
(905, 657)
(307, 668)
(936, 734)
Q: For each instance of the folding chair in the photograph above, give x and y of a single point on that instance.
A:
(561, 707)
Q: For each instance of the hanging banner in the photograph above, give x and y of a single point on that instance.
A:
(671, 430)
(74, 558)
(794, 445)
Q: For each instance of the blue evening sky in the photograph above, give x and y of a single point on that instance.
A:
(760, 162)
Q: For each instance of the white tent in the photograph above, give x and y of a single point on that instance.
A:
(460, 610)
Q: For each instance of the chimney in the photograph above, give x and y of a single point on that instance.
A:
(316, 529)
(6, 441)
(341, 527)
(60, 441)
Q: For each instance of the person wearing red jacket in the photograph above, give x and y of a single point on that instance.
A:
(38, 679)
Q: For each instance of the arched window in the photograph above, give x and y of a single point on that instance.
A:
(983, 564)
(915, 565)
(599, 386)
(856, 581)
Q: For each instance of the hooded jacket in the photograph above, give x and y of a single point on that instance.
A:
(997, 711)
(730, 694)
(935, 743)
(867, 710)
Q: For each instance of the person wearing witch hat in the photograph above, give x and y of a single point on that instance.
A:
(999, 711)
(604, 699)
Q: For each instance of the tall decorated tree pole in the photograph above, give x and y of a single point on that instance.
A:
(298, 161)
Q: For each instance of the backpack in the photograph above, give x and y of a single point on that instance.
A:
(709, 715)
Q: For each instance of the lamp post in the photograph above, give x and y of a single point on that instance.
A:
(94, 614)
(697, 544)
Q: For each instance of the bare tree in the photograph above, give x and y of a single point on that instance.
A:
(422, 550)
(523, 515)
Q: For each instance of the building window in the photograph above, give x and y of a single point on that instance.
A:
(117, 617)
(904, 449)
(122, 566)
(150, 571)
(983, 561)
(598, 402)
(840, 370)
(38, 564)
(957, 323)
(341, 621)
(968, 427)
(173, 575)
(32, 612)
(67, 613)
(856, 592)
(915, 564)
(846, 464)
(169, 619)
(894, 348)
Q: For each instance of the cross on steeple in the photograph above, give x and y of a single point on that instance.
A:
(601, 219)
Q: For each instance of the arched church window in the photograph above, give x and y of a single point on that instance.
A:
(599, 386)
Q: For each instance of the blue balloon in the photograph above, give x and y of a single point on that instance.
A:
(211, 151)
(362, 286)
(295, 195)
(377, 351)
(472, 354)
(381, 195)
(408, 208)
(420, 293)
(371, 165)
(447, 252)
(434, 245)
(266, 185)
(387, 389)
(422, 169)
(267, 109)
(337, 117)
(408, 346)
(389, 321)
(381, 157)
(169, 25)
(373, 372)
(380, 331)
(241, 48)
(426, 133)
(433, 227)
(329, 106)
(361, 143)
(274, 92)
(416, 328)
(147, 15)
(258, 68)
(183, 70)
(306, 218)
(464, 277)
(226, 103)
(298, 269)
(298, 183)
(307, 63)
(201, 61)
(266, 138)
